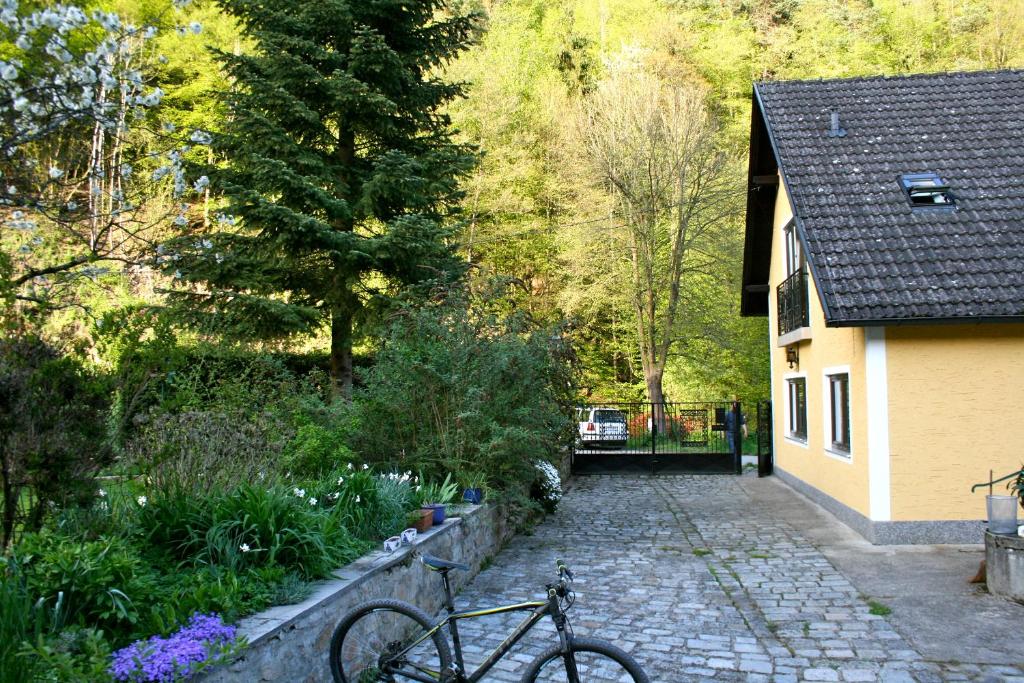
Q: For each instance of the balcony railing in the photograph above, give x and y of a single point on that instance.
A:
(792, 296)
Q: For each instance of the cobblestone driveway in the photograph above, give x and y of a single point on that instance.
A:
(683, 573)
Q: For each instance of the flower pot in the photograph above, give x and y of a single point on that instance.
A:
(438, 510)
(1002, 514)
(424, 520)
(474, 496)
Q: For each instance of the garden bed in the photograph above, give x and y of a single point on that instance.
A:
(291, 642)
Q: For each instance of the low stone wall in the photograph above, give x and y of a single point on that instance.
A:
(1004, 565)
(290, 643)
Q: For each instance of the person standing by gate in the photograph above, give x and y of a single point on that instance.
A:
(730, 424)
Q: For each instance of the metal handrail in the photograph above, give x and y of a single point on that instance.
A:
(1015, 473)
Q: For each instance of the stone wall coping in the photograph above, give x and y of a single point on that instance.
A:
(265, 625)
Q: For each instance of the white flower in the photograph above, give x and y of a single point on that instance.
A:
(196, 27)
(103, 506)
(349, 465)
(200, 137)
(358, 499)
(20, 104)
(142, 500)
(8, 72)
(55, 172)
(365, 466)
(101, 493)
(180, 220)
(333, 496)
(300, 493)
(244, 547)
(72, 206)
(312, 501)
(341, 480)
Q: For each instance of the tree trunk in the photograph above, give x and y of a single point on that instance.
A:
(345, 302)
(10, 496)
(656, 395)
(341, 352)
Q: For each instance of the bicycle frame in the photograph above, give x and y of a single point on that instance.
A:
(540, 609)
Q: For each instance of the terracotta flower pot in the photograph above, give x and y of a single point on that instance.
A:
(424, 520)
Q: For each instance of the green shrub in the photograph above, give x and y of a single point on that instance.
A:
(316, 450)
(248, 527)
(51, 432)
(204, 450)
(455, 390)
(102, 583)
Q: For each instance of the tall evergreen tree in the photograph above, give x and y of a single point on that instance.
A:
(338, 163)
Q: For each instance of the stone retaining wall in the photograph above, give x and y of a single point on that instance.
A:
(290, 643)
(1004, 565)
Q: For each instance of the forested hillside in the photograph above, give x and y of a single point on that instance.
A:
(540, 210)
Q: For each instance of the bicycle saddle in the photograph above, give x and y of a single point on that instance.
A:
(439, 565)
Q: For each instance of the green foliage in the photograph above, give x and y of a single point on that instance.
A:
(203, 450)
(317, 449)
(339, 164)
(250, 527)
(103, 583)
(51, 433)
(454, 390)
(438, 493)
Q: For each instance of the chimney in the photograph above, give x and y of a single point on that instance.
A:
(836, 131)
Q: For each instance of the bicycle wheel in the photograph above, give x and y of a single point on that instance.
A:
(386, 641)
(596, 662)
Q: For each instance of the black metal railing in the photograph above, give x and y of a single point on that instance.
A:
(792, 296)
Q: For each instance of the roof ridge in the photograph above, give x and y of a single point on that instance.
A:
(892, 77)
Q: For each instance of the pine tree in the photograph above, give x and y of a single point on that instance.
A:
(338, 166)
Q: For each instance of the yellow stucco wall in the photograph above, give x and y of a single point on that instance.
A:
(956, 394)
(844, 478)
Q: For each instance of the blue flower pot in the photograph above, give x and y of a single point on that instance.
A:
(474, 496)
(438, 512)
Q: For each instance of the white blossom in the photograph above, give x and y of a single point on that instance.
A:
(312, 501)
(244, 547)
(101, 493)
(55, 172)
(142, 500)
(299, 493)
(180, 220)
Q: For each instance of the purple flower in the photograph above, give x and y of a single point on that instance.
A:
(175, 657)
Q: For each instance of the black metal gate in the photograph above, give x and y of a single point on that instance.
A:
(662, 437)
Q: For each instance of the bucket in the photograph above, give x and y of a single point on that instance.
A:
(1002, 514)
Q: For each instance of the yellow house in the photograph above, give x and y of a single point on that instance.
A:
(885, 244)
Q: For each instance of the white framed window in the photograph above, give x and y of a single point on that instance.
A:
(836, 410)
(796, 407)
(794, 255)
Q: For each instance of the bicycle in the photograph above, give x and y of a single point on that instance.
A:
(387, 641)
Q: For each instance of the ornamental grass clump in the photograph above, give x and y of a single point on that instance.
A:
(204, 641)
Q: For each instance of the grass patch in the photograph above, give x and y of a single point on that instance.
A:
(760, 556)
(878, 609)
(701, 552)
(773, 626)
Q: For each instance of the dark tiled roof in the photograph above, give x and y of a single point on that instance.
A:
(874, 258)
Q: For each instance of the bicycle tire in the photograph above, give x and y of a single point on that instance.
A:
(591, 654)
(358, 646)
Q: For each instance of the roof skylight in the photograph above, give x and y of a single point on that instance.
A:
(927, 190)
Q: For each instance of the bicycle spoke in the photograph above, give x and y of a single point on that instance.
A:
(593, 667)
(382, 644)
